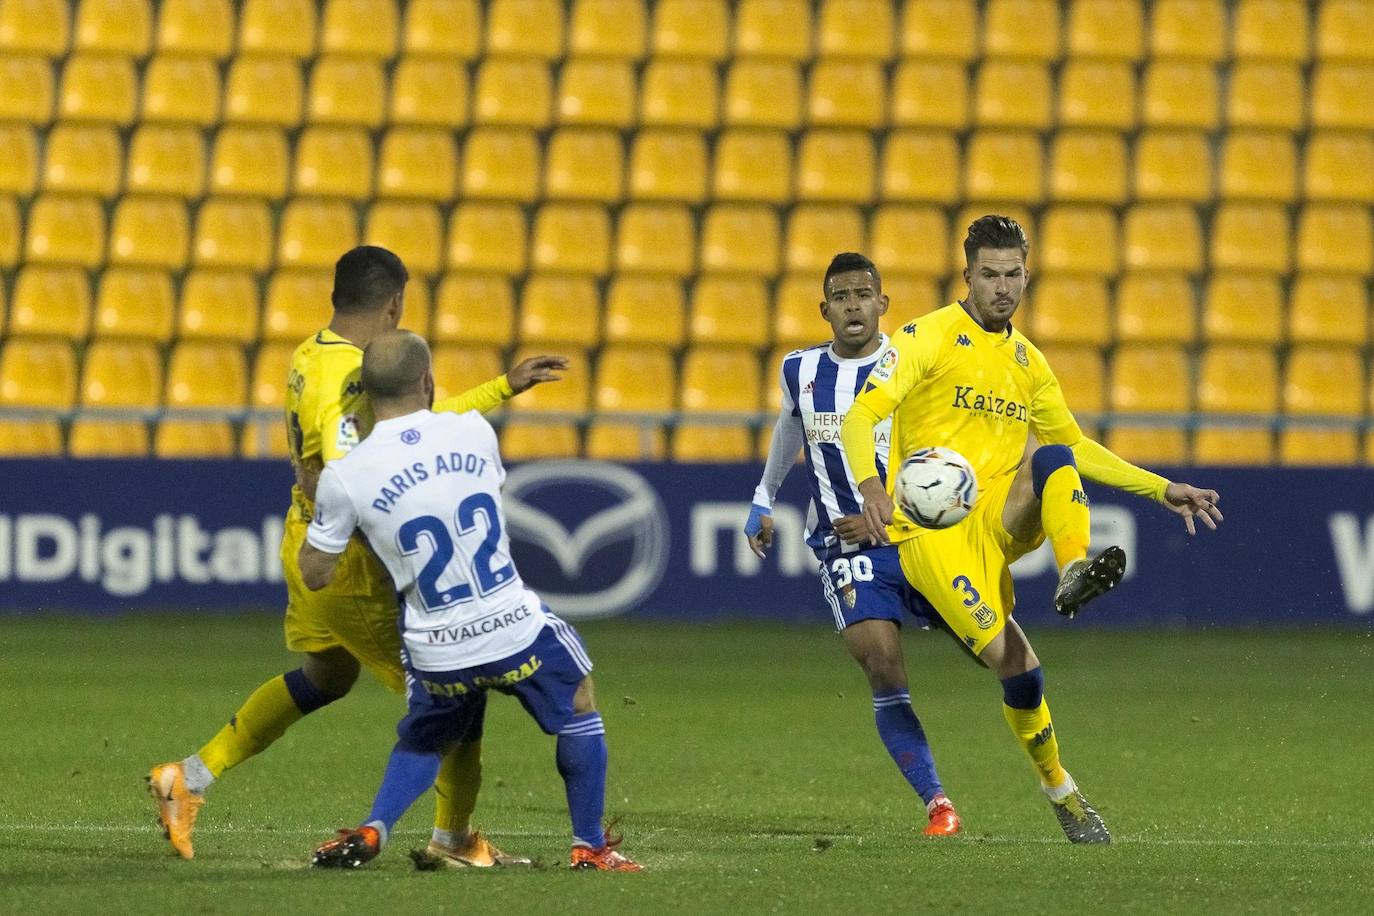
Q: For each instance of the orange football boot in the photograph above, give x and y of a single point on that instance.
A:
(349, 849)
(177, 806)
(944, 820)
(603, 859)
(475, 852)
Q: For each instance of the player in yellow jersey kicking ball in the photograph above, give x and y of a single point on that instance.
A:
(352, 623)
(964, 378)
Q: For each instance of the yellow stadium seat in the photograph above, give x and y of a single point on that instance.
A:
(501, 163)
(264, 439)
(669, 165)
(166, 159)
(1324, 380)
(1267, 94)
(1111, 29)
(459, 368)
(65, 229)
(1251, 237)
(691, 28)
(836, 165)
(1191, 29)
(263, 90)
(642, 309)
(249, 161)
(585, 164)
(530, 28)
(571, 237)
(571, 395)
(909, 240)
(720, 379)
(526, 440)
(515, 91)
(347, 90)
(234, 234)
(418, 162)
(83, 159)
(862, 29)
(1304, 446)
(30, 438)
(708, 442)
(1151, 378)
(365, 28)
(1156, 308)
(1328, 309)
(911, 296)
(1173, 165)
(134, 302)
(218, 304)
(97, 87)
(35, 26)
(474, 309)
(428, 92)
(445, 28)
(959, 231)
(763, 93)
(181, 89)
(818, 232)
(920, 165)
(1345, 30)
(1012, 94)
(635, 379)
(1242, 308)
(1339, 165)
(113, 26)
(680, 93)
(940, 28)
(1081, 374)
(1077, 239)
(28, 82)
(655, 238)
(1088, 165)
(607, 28)
(1071, 309)
(1238, 378)
(846, 94)
(596, 92)
(1275, 29)
(715, 297)
(418, 308)
(410, 229)
(1336, 237)
(193, 439)
(1097, 94)
(753, 165)
(1004, 165)
(121, 373)
(1259, 165)
(37, 372)
(608, 441)
(773, 28)
(1021, 28)
(150, 232)
(297, 304)
(51, 301)
(1163, 237)
(1225, 445)
(314, 233)
(487, 237)
(10, 231)
(558, 310)
(741, 238)
(1340, 96)
(196, 27)
(90, 438)
(277, 27)
(1179, 93)
(1149, 444)
(797, 323)
(930, 94)
(333, 162)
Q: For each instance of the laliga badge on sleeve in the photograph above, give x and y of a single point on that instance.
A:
(887, 364)
(348, 433)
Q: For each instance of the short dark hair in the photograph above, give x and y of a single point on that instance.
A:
(994, 232)
(843, 263)
(365, 278)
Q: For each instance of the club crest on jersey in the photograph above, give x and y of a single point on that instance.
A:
(850, 596)
(887, 364)
(963, 341)
(985, 617)
(1021, 355)
(410, 436)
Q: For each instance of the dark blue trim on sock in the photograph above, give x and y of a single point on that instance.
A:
(1046, 460)
(306, 695)
(1024, 691)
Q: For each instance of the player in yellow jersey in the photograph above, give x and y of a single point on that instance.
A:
(964, 378)
(352, 623)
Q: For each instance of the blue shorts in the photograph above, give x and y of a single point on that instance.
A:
(870, 585)
(446, 705)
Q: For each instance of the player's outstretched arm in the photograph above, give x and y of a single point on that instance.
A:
(1192, 502)
(317, 567)
(492, 394)
(856, 434)
(1100, 464)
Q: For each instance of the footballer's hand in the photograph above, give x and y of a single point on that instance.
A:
(530, 372)
(877, 510)
(852, 529)
(1191, 502)
(759, 530)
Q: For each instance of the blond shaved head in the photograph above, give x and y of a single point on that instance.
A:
(395, 364)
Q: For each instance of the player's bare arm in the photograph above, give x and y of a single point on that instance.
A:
(877, 509)
(536, 370)
(317, 567)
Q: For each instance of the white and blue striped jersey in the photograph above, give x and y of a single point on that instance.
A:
(818, 388)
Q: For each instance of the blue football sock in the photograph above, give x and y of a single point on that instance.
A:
(582, 764)
(408, 774)
(906, 741)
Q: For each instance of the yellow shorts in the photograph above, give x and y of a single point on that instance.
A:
(963, 570)
(356, 612)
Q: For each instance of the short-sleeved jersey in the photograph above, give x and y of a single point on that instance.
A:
(425, 491)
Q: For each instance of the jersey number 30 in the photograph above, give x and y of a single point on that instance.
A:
(479, 573)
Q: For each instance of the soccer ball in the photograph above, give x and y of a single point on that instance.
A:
(936, 487)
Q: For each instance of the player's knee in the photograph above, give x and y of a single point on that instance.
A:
(1046, 460)
(307, 695)
(333, 672)
(884, 669)
(1024, 690)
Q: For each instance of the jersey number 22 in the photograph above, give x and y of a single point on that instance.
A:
(480, 572)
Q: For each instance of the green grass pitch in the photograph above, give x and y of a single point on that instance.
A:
(1233, 768)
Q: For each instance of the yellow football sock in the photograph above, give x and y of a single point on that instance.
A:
(455, 789)
(1035, 731)
(262, 719)
(1064, 515)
